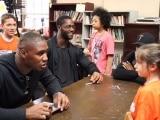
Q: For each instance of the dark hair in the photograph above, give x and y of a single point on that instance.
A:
(30, 37)
(104, 15)
(150, 53)
(61, 19)
(6, 16)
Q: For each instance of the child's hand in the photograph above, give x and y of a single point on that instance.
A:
(86, 52)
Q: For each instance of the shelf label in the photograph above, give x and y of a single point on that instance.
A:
(80, 7)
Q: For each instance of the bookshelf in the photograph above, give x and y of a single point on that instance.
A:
(86, 28)
(118, 21)
(58, 9)
(132, 30)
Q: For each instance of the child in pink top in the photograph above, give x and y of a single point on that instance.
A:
(101, 44)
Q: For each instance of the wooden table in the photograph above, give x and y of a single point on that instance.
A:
(107, 101)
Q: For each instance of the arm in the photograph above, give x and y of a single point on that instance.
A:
(145, 106)
(12, 114)
(128, 75)
(9, 113)
(54, 89)
(91, 68)
(109, 65)
(121, 73)
(50, 82)
(87, 51)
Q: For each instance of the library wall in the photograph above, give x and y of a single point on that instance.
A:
(96, 2)
(145, 8)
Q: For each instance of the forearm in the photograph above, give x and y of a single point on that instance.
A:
(51, 83)
(108, 70)
(12, 114)
(54, 88)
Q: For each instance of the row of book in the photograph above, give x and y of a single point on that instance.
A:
(117, 20)
(118, 34)
(76, 16)
(88, 19)
(89, 32)
(116, 60)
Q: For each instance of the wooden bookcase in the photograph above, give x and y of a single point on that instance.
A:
(58, 9)
(132, 30)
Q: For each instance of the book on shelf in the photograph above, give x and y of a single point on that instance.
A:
(116, 60)
(87, 19)
(76, 16)
(117, 20)
(118, 34)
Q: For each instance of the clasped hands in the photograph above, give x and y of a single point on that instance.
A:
(127, 65)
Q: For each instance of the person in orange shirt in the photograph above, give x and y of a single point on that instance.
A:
(8, 40)
(146, 104)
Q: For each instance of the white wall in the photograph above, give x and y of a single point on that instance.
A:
(145, 8)
(34, 12)
(96, 2)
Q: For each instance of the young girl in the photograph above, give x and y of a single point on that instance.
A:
(101, 44)
(146, 104)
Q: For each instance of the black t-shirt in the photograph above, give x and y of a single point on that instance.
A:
(64, 67)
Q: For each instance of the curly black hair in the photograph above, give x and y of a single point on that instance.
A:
(104, 15)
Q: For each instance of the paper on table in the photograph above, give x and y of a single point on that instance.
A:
(52, 105)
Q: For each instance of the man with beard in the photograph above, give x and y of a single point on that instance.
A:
(65, 59)
(20, 73)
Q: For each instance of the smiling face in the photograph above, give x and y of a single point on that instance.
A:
(9, 27)
(67, 29)
(36, 55)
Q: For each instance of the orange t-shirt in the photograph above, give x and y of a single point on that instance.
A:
(8, 46)
(146, 104)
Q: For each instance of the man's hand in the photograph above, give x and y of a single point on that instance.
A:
(38, 111)
(127, 65)
(61, 100)
(96, 77)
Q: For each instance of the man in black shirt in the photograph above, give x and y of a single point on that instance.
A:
(20, 73)
(65, 59)
(125, 70)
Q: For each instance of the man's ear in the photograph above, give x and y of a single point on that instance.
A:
(22, 52)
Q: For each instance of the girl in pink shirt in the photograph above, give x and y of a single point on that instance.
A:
(101, 44)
